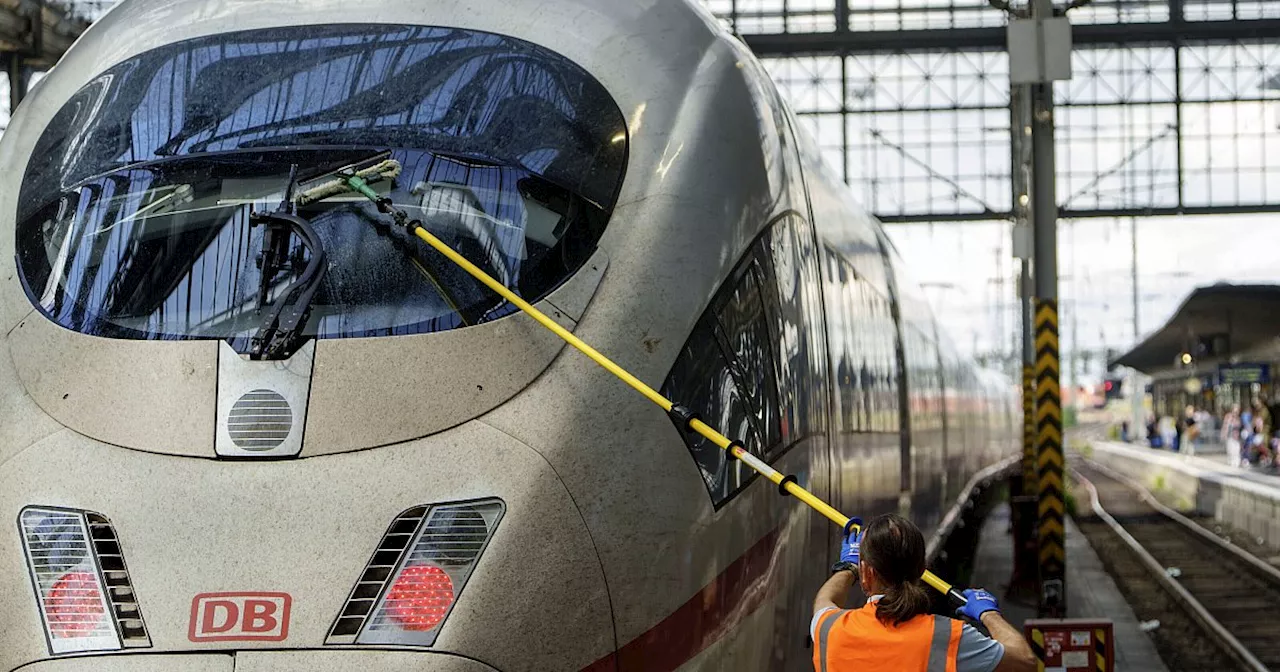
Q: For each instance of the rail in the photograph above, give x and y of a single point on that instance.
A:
(1180, 594)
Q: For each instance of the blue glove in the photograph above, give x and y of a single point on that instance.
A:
(979, 603)
(851, 547)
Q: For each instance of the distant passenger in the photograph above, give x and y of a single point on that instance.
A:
(896, 630)
(1231, 429)
(1189, 430)
(1153, 432)
(1261, 438)
(1169, 431)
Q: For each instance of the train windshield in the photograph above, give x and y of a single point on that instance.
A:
(136, 218)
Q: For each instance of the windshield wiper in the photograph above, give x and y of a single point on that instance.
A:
(282, 325)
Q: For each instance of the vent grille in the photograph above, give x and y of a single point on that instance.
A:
(124, 604)
(446, 539)
(260, 420)
(377, 574)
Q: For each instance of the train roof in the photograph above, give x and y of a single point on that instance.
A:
(607, 37)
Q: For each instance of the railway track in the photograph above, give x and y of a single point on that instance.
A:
(1227, 598)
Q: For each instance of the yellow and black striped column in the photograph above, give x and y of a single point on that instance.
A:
(1049, 462)
(1029, 474)
(1037, 647)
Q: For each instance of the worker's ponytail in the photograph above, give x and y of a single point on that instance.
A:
(903, 602)
(894, 549)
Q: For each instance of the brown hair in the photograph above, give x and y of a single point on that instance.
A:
(894, 547)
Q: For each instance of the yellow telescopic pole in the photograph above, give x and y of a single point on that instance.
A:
(695, 424)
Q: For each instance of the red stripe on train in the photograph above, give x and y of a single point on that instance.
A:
(706, 617)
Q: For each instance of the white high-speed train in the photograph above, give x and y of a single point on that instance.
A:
(246, 430)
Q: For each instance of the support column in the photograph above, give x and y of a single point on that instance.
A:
(1025, 584)
(1029, 469)
(15, 67)
(1049, 458)
(1039, 55)
(1020, 132)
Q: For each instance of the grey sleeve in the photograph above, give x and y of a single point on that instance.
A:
(978, 653)
(813, 625)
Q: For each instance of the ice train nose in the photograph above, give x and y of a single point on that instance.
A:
(430, 547)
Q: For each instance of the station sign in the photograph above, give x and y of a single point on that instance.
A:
(1244, 374)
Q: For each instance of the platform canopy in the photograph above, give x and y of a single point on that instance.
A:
(1212, 324)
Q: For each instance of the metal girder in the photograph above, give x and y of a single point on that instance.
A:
(866, 42)
(954, 218)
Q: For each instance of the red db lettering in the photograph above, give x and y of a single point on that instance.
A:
(259, 616)
(244, 617)
(230, 614)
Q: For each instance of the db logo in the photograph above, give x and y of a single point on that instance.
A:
(239, 617)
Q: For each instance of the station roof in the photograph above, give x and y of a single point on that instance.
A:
(59, 27)
(1248, 315)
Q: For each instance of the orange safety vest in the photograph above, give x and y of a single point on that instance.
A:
(853, 640)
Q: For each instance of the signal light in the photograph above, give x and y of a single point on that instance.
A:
(1109, 385)
(420, 597)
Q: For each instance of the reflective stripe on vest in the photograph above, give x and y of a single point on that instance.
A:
(854, 640)
(945, 647)
(938, 648)
(824, 631)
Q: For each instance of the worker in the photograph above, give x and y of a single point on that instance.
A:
(896, 630)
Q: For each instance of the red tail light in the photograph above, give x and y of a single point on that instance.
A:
(416, 574)
(74, 605)
(81, 583)
(420, 597)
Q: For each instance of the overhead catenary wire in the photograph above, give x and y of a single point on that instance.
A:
(357, 183)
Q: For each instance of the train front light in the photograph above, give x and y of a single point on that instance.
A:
(414, 577)
(82, 585)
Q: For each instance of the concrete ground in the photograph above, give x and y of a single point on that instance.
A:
(1090, 591)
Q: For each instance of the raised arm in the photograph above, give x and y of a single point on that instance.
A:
(835, 591)
(982, 607)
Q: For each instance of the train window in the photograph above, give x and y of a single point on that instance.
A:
(800, 350)
(853, 323)
(701, 380)
(748, 343)
(727, 374)
(886, 368)
(133, 221)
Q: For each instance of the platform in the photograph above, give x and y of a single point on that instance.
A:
(1208, 486)
(1090, 590)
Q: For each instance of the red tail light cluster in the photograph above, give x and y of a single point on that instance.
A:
(414, 578)
(82, 585)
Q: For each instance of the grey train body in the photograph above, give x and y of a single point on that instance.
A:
(734, 272)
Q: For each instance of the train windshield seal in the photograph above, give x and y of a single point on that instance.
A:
(136, 217)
